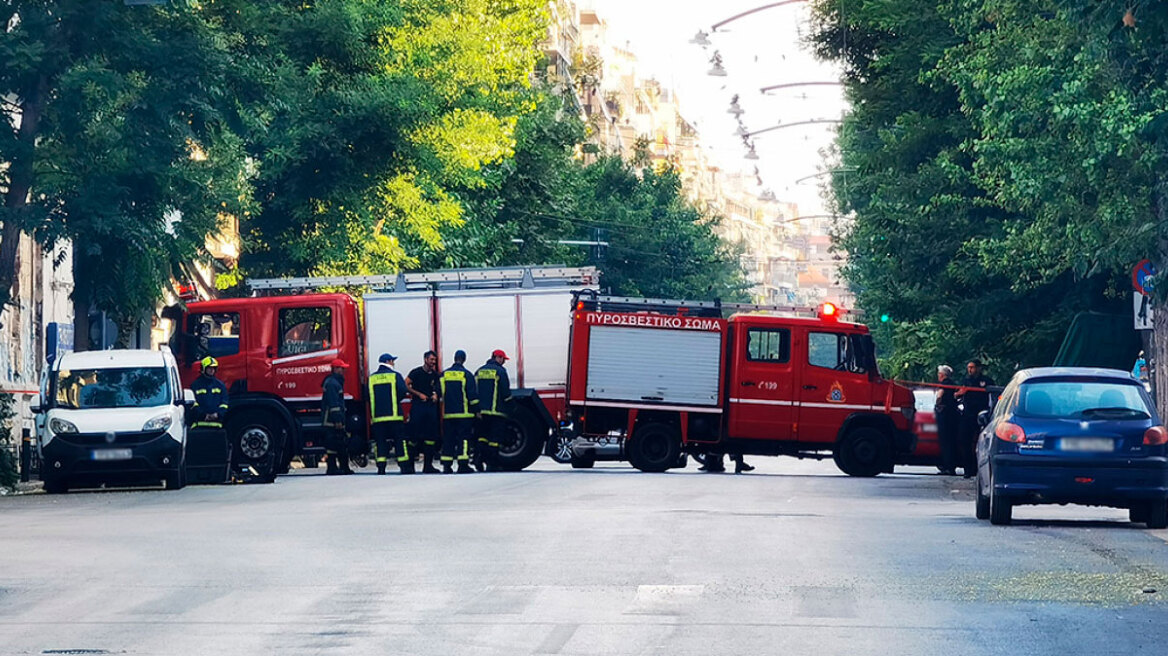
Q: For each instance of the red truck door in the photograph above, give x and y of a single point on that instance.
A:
(218, 333)
(306, 341)
(762, 384)
(830, 388)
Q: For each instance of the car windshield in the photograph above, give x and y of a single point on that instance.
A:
(134, 387)
(1075, 399)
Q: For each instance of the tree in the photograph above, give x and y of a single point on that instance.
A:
(117, 141)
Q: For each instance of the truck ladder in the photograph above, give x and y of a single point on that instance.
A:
(599, 303)
(451, 279)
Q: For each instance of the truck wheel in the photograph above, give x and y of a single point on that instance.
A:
(53, 486)
(583, 462)
(1157, 514)
(654, 447)
(1001, 510)
(256, 437)
(524, 440)
(863, 452)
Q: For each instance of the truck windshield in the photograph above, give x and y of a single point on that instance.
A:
(136, 387)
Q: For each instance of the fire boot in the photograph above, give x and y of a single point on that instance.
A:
(464, 467)
(447, 468)
(428, 464)
(331, 465)
(381, 467)
(406, 466)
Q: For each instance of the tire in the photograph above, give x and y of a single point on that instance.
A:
(1157, 514)
(863, 452)
(56, 487)
(654, 448)
(257, 437)
(525, 438)
(561, 446)
(982, 509)
(583, 462)
(1001, 508)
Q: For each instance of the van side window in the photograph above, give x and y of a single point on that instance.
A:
(305, 330)
(768, 345)
(216, 335)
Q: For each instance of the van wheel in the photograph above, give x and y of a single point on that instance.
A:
(176, 480)
(256, 437)
(523, 440)
(654, 447)
(1157, 514)
(56, 487)
(1001, 509)
(863, 452)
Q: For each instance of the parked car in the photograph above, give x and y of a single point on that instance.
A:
(113, 418)
(1073, 435)
(927, 450)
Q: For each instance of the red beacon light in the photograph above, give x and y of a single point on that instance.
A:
(829, 312)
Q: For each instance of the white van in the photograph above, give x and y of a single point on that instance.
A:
(113, 417)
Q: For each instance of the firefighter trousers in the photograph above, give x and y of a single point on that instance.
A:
(490, 434)
(456, 437)
(388, 434)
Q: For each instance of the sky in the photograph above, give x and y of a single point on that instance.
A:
(760, 50)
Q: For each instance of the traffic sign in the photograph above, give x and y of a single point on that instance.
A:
(1140, 275)
(1141, 312)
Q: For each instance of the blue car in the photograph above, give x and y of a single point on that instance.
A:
(1073, 435)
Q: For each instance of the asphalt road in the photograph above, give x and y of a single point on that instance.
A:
(792, 559)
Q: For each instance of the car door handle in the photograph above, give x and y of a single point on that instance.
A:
(810, 387)
(748, 383)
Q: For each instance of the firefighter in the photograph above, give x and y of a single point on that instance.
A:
(210, 397)
(387, 391)
(494, 392)
(332, 414)
(974, 398)
(422, 382)
(459, 405)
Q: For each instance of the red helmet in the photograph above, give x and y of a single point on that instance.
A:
(339, 363)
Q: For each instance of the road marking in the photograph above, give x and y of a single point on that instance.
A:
(664, 599)
(556, 640)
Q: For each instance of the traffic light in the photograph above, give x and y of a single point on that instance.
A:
(884, 318)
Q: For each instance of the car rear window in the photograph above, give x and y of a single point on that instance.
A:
(1082, 399)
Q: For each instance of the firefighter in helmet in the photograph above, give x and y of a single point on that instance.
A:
(387, 390)
(332, 414)
(494, 391)
(459, 405)
(211, 402)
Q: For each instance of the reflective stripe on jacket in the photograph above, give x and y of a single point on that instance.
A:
(387, 390)
(494, 388)
(459, 396)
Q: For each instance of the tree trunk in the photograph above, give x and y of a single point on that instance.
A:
(1158, 356)
(21, 174)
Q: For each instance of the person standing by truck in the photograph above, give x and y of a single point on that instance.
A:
(948, 417)
(332, 417)
(974, 398)
(494, 392)
(387, 391)
(211, 402)
(422, 383)
(459, 405)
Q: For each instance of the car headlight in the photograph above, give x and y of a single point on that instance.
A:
(158, 423)
(61, 426)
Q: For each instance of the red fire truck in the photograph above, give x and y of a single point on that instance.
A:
(651, 381)
(274, 351)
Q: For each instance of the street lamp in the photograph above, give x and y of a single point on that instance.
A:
(781, 126)
(744, 14)
(717, 70)
(735, 109)
(701, 39)
(794, 85)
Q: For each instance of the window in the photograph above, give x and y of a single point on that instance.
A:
(216, 335)
(1082, 399)
(768, 345)
(854, 353)
(140, 387)
(305, 330)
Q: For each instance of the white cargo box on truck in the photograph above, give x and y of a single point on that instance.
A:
(654, 365)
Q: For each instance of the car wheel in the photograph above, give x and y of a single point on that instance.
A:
(654, 447)
(1138, 513)
(583, 462)
(1001, 509)
(56, 487)
(1157, 514)
(982, 510)
(863, 452)
(561, 446)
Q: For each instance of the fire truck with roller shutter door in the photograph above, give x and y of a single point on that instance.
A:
(651, 381)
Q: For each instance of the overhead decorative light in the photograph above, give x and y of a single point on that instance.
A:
(701, 38)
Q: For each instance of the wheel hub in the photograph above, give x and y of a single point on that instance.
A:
(255, 443)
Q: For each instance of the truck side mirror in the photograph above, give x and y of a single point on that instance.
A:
(35, 404)
(983, 418)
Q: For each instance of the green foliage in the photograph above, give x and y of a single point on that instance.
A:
(989, 205)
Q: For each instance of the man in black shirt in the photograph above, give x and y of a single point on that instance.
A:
(973, 401)
(422, 383)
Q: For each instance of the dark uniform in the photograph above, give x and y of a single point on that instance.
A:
(424, 427)
(973, 402)
(494, 392)
(332, 416)
(459, 404)
(210, 399)
(948, 417)
(387, 390)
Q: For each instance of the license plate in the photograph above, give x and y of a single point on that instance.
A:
(1087, 444)
(113, 454)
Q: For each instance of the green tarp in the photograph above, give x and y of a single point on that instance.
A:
(1099, 340)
